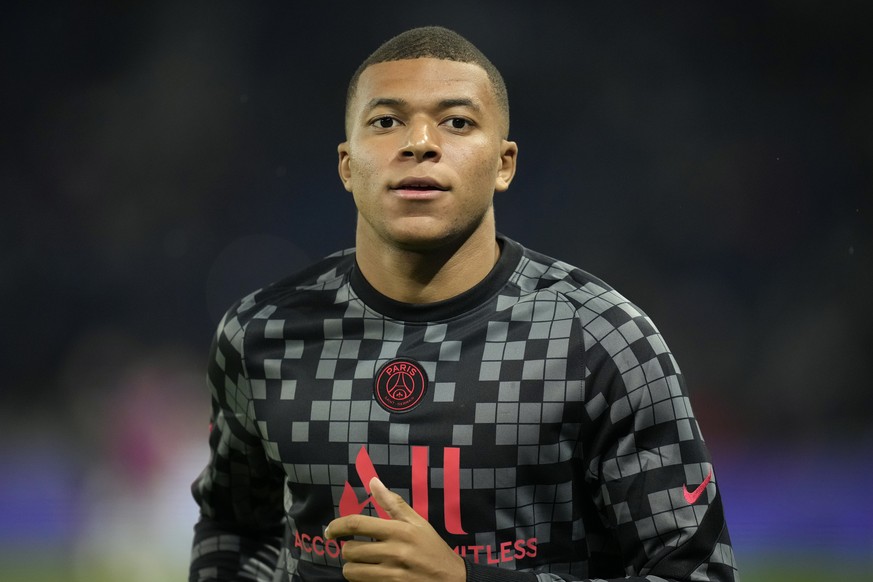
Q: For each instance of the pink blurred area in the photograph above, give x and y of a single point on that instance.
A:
(101, 484)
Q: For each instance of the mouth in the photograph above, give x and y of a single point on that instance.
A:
(418, 187)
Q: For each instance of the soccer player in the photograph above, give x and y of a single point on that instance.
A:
(441, 403)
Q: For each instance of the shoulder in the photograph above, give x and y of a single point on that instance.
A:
(319, 282)
(589, 296)
(616, 336)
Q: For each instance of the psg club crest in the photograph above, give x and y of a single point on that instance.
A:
(400, 385)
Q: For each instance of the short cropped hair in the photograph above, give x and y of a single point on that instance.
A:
(438, 43)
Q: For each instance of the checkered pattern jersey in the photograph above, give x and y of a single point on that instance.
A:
(554, 441)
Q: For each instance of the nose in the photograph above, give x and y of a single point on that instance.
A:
(422, 142)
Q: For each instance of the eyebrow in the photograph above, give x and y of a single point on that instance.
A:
(444, 104)
(460, 102)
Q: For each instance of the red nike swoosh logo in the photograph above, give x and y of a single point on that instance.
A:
(692, 496)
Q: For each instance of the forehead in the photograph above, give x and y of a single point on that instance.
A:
(423, 78)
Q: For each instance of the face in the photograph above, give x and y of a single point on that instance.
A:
(424, 153)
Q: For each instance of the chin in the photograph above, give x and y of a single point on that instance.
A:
(422, 243)
(422, 239)
(427, 234)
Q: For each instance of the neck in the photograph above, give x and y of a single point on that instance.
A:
(412, 275)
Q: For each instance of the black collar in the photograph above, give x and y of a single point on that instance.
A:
(510, 255)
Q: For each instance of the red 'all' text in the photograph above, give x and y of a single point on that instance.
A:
(349, 504)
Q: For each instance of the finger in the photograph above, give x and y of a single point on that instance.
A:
(362, 552)
(358, 572)
(393, 503)
(358, 525)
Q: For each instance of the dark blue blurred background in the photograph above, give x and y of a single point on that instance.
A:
(161, 159)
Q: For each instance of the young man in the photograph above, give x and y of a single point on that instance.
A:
(441, 403)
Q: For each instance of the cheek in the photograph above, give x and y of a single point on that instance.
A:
(363, 171)
(364, 183)
(483, 171)
(357, 174)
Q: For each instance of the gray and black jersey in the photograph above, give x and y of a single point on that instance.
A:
(538, 421)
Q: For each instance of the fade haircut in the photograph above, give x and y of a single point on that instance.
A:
(438, 43)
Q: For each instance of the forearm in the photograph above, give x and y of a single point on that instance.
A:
(221, 552)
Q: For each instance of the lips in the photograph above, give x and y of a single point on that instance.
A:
(419, 185)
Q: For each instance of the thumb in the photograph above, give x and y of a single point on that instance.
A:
(391, 502)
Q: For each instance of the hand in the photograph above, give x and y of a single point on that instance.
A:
(405, 548)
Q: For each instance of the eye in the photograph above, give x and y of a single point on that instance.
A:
(458, 123)
(384, 122)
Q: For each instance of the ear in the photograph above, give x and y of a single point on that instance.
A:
(344, 165)
(508, 157)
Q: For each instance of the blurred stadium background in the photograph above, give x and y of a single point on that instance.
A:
(160, 159)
